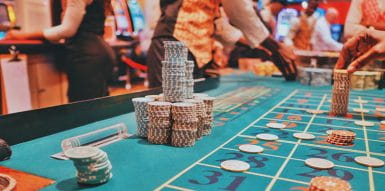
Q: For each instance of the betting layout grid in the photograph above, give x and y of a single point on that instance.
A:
(235, 103)
(281, 166)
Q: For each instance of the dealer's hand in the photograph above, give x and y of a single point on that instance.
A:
(361, 49)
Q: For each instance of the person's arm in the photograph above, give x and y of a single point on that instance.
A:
(72, 19)
(294, 27)
(322, 31)
(73, 16)
(353, 20)
(242, 15)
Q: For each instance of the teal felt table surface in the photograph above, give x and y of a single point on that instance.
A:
(246, 103)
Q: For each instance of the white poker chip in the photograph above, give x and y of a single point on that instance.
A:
(380, 109)
(267, 137)
(360, 101)
(248, 148)
(364, 123)
(359, 110)
(305, 136)
(329, 132)
(315, 111)
(235, 165)
(369, 161)
(319, 163)
(382, 122)
(81, 152)
(276, 125)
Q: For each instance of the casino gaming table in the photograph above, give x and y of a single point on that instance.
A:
(245, 104)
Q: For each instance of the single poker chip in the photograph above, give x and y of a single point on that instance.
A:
(369, 161)
(235, 165)
(7, 183)
(319, 163)
(267, 137)
(380, 109)
(248, 148)
(315, 111)
(359, 110)
(81, 152)
(276, 125)
(329, 132)
(329, 183)
(305, 136)
(364, 123)
(360, 101)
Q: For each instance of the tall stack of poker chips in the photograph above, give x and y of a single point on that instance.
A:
(341, 137)
(5, 150)
(92, 164)
(340, 96)
(159, 127)
(200, 111)
(174, 79)
(328, 183)
(189, 79)
(208, 119)
(184, 127)
(141, 114)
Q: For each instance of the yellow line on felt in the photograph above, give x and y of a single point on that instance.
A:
(270, 186)
(213, 151)
(254, 97)
(256, 174)
(370, 170)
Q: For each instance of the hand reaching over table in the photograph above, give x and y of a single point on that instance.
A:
(366, 46)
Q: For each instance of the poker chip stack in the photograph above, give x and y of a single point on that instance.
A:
(92, 164)
(159, 127)
(184, 127)
(208, 119)
(174, 71)
(340, 96)
(200, 111)
(328, 183)
(341, 137)
(141, 114)
(5, 150)
(189, 79)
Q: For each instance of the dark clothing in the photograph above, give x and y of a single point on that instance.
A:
(93, 20)
(89, 66)
(155, 56)
(89, 58)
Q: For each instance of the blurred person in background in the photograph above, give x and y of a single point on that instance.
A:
(192, 22)
(364, 14)
(301, 28)
(89, 59)
(270, 13)
(322, 39)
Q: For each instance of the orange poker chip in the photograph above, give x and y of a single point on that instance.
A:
(328, 183)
